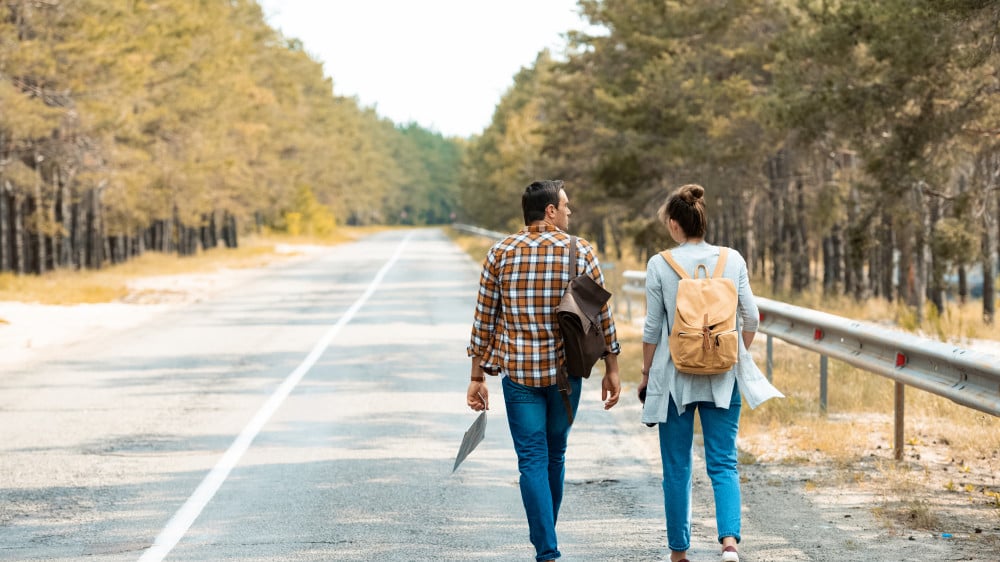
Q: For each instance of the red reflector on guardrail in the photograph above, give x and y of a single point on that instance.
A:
(818, 334)
(900, 360)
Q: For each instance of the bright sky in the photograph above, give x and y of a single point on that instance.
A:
(442, 63)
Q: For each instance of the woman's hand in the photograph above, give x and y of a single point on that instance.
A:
(641, 391)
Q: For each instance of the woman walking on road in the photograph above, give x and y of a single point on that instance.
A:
(671, 397)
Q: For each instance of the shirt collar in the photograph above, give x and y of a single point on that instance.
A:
(541, 228)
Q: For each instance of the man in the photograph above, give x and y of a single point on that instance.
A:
(516, 333)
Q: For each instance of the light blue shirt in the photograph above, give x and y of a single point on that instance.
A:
(661, 296)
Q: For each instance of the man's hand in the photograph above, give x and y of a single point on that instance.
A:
(478, 396)
(641, 391)
(611, 389)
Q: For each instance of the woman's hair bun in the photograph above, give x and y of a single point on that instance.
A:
(691, 193)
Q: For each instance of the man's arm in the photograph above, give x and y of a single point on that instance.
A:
(487, 309)
(483, 333)
(593, 270)
(478, 395)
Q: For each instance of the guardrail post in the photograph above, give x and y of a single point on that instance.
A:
(900, 408)
(770, 359)
(823, 361)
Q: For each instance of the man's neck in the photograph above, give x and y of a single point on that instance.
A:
(541, 223)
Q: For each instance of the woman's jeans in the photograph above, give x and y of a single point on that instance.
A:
(719, 427)
(539, 426)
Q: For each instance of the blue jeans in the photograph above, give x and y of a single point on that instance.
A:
(719, 427)
(539, 427)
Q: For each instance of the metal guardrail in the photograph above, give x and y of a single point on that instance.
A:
(964, 376)
(479, 231)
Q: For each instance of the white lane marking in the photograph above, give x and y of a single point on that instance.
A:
(186, 515)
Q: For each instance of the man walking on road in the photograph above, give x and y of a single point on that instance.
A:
(516, 334)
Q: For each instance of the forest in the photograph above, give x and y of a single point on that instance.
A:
(849, 146)
(852, 146)
(177, 125)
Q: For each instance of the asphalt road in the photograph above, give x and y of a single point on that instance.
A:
(314, 413)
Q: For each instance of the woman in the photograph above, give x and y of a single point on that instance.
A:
(671, 397)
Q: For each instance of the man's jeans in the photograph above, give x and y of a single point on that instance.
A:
(538, 424)
(719, 427)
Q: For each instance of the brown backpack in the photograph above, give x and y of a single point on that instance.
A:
(703, 340)
(579, 318)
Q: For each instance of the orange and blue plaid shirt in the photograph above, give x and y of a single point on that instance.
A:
(515, 329)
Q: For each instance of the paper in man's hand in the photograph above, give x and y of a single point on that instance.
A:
(473, 436)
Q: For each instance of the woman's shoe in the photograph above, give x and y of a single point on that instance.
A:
(729, 554)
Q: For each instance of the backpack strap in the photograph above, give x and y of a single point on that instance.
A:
(665, 254)
(572, 257)
(721, 265)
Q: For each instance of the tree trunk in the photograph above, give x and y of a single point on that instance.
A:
(96, 229)
(838, 255)
(988, 169)
(214, 229)
(168, 235)
(800, 243)
(829, 285)
(39, 214)
(963, 285)
(922, 252)
(936, 265)
(883, 264)
(19, 242)
(778, 180)
(906, 275)
(4, 228)
(232, 240)
(79, 233)
(751, 241)
(854, 251)
(66, 248)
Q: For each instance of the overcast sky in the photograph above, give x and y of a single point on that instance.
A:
(442, 63)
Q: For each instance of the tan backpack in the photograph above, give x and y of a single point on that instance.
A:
(703, 340)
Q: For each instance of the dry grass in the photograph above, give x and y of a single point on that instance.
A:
(475, 246)
(958, 321)
(111, 284)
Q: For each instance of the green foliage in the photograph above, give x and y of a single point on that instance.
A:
(956, 241)
(173, 111)
(509, 155)
(308, 216)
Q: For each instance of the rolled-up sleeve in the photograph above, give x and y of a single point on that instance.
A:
(487, 308)
(747, 306)
(653, 327)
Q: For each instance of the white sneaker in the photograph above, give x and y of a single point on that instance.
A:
(730, 555)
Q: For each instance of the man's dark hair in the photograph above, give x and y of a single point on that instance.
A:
(537, 197)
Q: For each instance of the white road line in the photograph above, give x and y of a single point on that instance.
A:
(186, 515)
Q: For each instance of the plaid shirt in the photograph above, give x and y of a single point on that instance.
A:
(524, 277)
